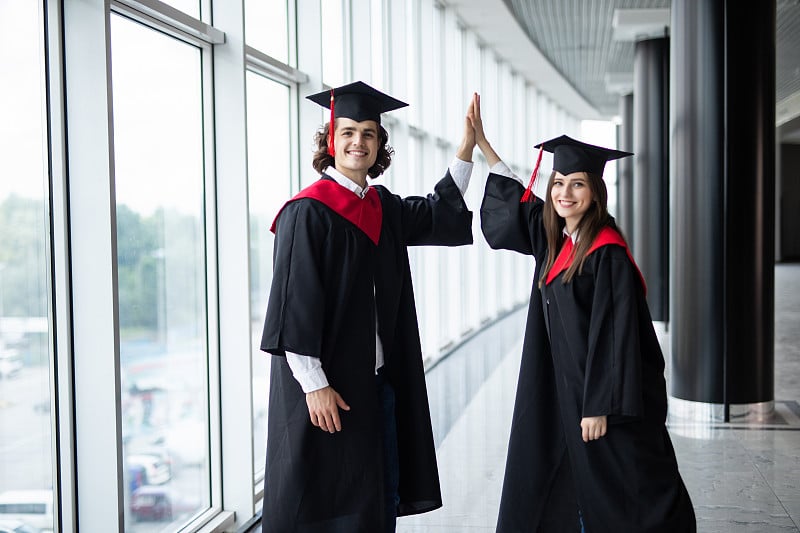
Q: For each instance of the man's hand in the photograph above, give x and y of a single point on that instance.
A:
(593, 427)
(464, 151)
(474, 117)
(323, 408)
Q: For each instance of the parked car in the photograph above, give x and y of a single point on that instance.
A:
(160, 503)
(15, 526)
(155, 450)
(33, 507)
(149, 468)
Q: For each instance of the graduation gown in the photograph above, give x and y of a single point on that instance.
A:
(329, 280)
(537, 493)
(602, 358)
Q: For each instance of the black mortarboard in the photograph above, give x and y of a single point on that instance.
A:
(357, 101)
(571, 156)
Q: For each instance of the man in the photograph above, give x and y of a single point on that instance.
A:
(350, 445)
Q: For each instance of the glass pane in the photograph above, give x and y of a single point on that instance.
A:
(269, 187)
(378, 40)
(333, 46)
(161, 256)
(266, 27)
(26, 455)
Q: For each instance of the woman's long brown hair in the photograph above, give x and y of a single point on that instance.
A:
(593, 220)
(322, 159)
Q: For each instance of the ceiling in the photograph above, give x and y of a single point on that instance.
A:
(577, 36)
(575, 40)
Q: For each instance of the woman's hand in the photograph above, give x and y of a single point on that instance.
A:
(474, 116)
(593, 427)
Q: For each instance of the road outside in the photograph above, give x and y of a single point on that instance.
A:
(26, 455)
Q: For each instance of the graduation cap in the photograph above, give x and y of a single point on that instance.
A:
(357, 101)
(570, 155)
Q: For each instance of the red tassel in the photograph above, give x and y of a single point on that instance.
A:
(528, 195)
(331, 149)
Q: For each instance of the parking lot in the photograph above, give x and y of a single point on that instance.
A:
(26, 455)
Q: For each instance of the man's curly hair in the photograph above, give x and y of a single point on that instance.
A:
(323, 160)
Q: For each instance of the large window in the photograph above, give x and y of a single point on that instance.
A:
(26, 455)
(267, 27)
(378, 41)
(334, 48)
(161, 257)
(269, 180)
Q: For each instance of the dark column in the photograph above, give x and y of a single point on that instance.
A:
(651, 170)
(750, 195)
(722, 156)
(696, 186)
(625, 169)
(788, 219)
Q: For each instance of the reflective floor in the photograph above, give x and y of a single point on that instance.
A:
(742, 477)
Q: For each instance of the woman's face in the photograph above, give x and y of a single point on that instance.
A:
(571, 197)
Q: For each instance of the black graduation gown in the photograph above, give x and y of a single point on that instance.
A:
(322, 303)
(605, 361)
(537, 491)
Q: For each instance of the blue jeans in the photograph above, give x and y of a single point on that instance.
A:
(390, 458)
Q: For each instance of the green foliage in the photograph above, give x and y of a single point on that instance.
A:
(24, 284)
(160, 258)
(161, 273)
(137, 259)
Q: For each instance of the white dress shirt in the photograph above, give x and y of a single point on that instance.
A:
(573, 235)
(307, 370)
(501, 169)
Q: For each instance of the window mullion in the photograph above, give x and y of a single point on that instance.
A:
(261, 63)
(233, 272)
(167, 18)
(63, 401)
(93, 267)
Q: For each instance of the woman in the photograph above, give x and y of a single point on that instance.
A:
(606, 454)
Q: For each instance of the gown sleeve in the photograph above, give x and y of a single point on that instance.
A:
(440, 219)
(613, 381)
(508, 224)
(295, 310)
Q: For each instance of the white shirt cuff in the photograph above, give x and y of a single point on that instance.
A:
(461, 171)
(307, 371)
(501, 169)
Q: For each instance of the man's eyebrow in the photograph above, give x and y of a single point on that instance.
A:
(353, 128)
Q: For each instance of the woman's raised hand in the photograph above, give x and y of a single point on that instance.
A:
(474, 116)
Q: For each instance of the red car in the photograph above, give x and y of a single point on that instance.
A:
(151, 502)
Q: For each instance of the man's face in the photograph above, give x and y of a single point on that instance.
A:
(356, 146)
